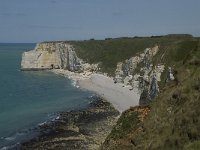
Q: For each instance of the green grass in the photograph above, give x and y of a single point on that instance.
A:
(109, 52)
(176, 54)
(174, 121)
(125, 125)
(173, 130)
(192, 146)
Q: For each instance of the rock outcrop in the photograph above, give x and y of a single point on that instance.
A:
(170, 76)
(130, 66)
(139, 72)
(51, 55)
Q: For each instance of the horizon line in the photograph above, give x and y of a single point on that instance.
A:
(171, 35)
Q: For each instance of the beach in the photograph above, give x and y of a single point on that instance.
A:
(120, 96)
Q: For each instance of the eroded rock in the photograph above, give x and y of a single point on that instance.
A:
(170, 76)
(140, 73)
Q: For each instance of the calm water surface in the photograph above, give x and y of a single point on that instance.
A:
(30, 98)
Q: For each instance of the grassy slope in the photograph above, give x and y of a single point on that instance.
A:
(174, 121)
(109, 52)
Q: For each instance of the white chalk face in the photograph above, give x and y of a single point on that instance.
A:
(49, 55)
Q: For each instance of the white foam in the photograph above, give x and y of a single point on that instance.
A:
(41, 124)
(11, 138)
(58, 117)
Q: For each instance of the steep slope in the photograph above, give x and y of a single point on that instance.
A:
(111, 51)
(173, 122)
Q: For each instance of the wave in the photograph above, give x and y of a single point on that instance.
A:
(11, 147)
(14, 140)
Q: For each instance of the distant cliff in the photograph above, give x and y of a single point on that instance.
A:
(51, 55)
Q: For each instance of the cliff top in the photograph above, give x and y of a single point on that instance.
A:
(109, 52)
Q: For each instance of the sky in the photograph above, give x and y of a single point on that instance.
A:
(44, 20)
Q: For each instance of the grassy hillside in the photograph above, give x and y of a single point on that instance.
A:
(174, 120)
(108, 52)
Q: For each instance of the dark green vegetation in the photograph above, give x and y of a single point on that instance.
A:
(119, 138)
(125, 124)
(174, 120)
(128, 124)
(109, 52)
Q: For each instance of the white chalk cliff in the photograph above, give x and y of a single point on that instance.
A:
(145, 78)
(51, 55)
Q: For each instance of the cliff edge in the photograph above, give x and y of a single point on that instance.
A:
(51, 55)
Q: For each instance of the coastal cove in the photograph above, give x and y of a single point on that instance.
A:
(48, 97)
(99, 75)
(28, 99)
(122, 88)
(120, 92)
(112, 98)
(120, 96)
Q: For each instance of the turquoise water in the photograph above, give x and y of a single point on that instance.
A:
(30, 98)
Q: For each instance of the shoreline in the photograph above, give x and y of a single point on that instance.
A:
(86, 128)
(120, 96)
(33, 132)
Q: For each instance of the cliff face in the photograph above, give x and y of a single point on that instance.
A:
(51, 55)
(139, 72)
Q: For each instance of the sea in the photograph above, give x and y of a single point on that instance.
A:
(31, 98)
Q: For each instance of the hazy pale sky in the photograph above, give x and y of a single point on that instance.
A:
(41, 20)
